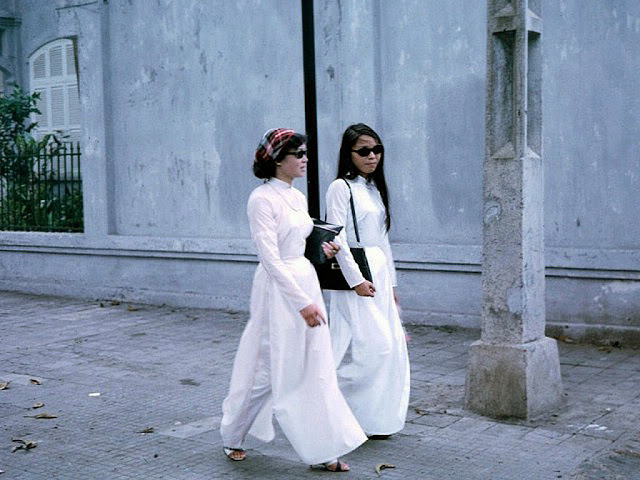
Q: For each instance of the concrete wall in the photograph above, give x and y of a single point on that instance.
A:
(175, 96)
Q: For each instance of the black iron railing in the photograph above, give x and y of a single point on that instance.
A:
(42, 192)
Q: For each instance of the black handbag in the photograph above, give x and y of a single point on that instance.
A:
(329, 271)
(322, 232)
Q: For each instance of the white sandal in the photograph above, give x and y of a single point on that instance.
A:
(228, 451)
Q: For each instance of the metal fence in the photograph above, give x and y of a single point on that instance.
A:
(42, 192)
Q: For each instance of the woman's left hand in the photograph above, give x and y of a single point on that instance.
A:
(330, 249)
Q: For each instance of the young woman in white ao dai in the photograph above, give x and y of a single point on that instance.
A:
(375, 378)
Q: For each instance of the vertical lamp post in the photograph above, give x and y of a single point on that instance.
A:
(310, 107)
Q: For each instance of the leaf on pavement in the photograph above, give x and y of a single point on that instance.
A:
(4, 386)
(147, 430)
(565, 339)
(382, 466)
(24, 444)
(41, 416)
(132, 309)
(35, 381)
(38, 405)
(629, 453)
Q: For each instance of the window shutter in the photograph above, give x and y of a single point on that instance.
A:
(71, 64)
(57, 108)
(42, 106)
(55, 61)
(53, 74)
(39, 70)
(74, 105)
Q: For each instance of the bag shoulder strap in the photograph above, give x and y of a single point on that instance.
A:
(353, 210)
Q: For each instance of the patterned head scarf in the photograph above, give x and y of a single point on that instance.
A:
(272, 142)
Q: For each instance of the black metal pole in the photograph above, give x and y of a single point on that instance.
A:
(310, 107)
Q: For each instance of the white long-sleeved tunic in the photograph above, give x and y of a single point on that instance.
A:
(277, 343)
(375, 381)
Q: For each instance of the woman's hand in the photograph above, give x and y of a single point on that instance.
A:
(365, 289)
(312, 315)
(330, 249)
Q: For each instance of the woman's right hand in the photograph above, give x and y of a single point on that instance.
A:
(313, 315)
(365, 289)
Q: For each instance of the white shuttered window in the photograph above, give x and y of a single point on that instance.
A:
(53, 75)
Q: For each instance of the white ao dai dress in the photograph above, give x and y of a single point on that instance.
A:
(375, 381)
(283, 367)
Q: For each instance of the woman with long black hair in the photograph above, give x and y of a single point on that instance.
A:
(375, 381)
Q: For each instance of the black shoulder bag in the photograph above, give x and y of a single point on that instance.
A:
(329, 272)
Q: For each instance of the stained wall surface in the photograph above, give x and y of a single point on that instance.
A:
(175, 96)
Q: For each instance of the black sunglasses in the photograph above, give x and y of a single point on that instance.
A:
(365, 151)
(298, 153)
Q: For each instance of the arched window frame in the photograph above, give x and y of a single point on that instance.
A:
(52, 73)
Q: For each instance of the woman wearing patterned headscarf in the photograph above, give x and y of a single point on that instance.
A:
(284, 365)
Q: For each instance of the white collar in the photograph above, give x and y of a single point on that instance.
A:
(277, 183)
(363, 181)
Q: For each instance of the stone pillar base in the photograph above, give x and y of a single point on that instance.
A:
(514, 380)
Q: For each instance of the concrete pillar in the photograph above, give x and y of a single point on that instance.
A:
(89, 26)
(514, 370)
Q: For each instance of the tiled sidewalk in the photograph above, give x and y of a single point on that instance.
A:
(136, 392)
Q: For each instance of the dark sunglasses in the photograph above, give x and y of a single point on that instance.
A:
(298, 154)
(365, 151)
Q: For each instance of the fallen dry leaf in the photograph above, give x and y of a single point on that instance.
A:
(382, 466)
(629, 453)
(46, 415)
(4, 386)
(115, 302)
(24, 444)
(132, 309)
(38, 405)
(35, 381)
(147, 430)
(564, 338)
(42, 416)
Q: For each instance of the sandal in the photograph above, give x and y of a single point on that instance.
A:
(235, 454)
(379, 437)
(336, 466)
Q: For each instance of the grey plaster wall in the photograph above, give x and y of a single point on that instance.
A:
(592, 94)
(191, 98)
(175, 96)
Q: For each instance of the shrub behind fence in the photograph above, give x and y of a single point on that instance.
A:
(42, 192)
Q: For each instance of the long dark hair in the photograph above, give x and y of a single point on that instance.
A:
(346, 168)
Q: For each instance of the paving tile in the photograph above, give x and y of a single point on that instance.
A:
(167, 369)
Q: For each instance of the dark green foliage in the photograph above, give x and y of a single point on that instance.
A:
(37, 192)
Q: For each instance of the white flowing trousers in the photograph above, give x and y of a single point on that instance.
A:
(376, 380)
(283, 368)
